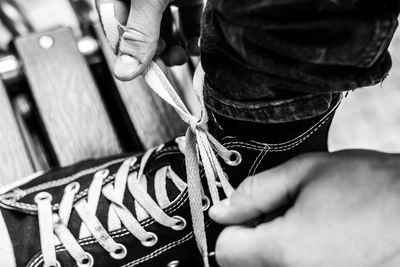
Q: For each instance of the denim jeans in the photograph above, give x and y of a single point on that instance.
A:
(276, 61)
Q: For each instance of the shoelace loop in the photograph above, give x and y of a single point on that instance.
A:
(51, 223)
(199, 147)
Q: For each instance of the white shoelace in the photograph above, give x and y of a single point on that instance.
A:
(51, 223)
(199, 146)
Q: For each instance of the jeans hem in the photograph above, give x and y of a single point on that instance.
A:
(270, 111)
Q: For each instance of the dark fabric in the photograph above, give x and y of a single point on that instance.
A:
(19, 209)
(279, 61)
(271, 133)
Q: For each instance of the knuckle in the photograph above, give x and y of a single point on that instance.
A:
(160, 4)
(247, 190)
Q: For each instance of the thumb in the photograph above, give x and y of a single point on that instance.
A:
(263, 193)
(140, 39)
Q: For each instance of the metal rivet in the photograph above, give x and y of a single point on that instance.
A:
(206, 203)
(46, 41)
(132, 161)
(58, 264)
(103, 173)
(43, 196)
(235, 158)
(174, 263)
(88, 46)
(74, 186)
(120, 253)
(180, 225)
(88, 262)
(151, 240)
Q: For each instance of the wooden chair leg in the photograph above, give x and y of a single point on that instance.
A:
(14, 159)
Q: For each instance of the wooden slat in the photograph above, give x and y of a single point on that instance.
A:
(66, 97)
(14, 161)
(155, 121)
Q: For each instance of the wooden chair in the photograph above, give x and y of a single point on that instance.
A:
(60, 104)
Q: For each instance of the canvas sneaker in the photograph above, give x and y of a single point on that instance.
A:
(148, 209)
(137, 210)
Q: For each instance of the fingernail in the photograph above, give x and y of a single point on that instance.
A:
(126, 67)
(219, 208)
(225, 203)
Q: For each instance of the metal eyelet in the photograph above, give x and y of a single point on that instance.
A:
(43, 196)
(160, 147)
(58, 264)
(103, 173)
(132, 161)
(151, 241)
(88, 262)
(234, 159)
(206, 203)
(218, 183)
(74, 186)
(174, 263)
(180, 225)
(120, 253)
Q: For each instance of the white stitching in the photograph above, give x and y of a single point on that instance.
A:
(160, 250)
(69, 179)
(163, 249)
(253, 145)
(274, 147)
(120, 232)
(55, 183)
(258, 160)
(309, 132)
(254, 163)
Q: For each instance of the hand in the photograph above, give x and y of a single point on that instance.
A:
(141, 41)
(345, 212)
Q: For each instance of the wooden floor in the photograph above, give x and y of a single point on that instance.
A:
(369, 118)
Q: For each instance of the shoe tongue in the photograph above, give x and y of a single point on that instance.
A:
(175, 161)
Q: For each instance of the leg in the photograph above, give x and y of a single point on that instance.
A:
(282, 61)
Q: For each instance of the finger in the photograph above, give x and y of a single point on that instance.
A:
(189, 25)
(241, 246)
(180, 3)
(264, 193)
(174, 56)
(173, 53)
(121, 9)
(140, 39)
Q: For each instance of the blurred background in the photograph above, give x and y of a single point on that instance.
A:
(368, 118)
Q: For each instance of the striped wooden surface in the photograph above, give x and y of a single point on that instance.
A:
(67, 97)
(14, 161)
(154, 120)
(368, 118)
